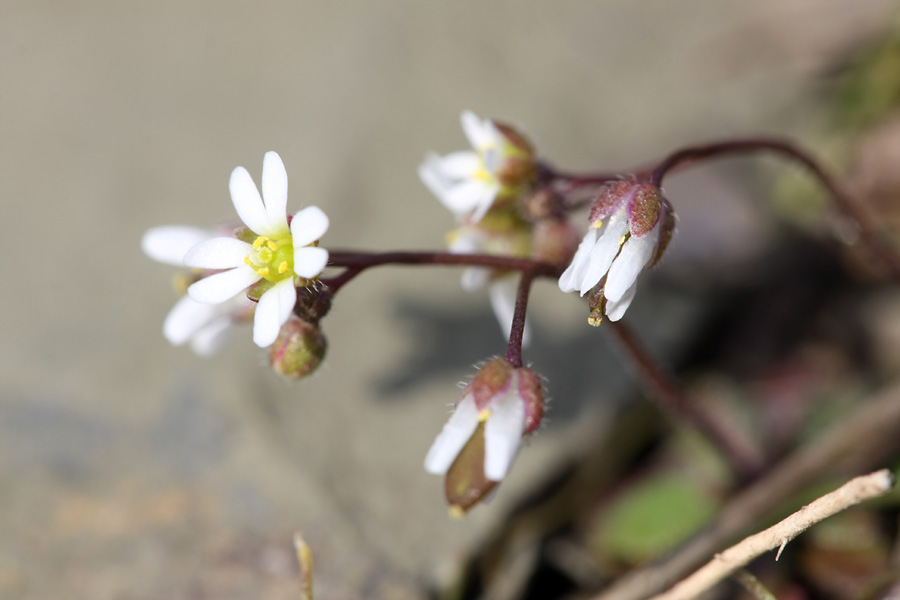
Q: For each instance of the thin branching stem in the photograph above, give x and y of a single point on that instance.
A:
(517, 330)
(673, 401)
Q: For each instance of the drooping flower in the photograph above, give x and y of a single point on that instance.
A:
(205, 326)
(277, 252)
(476, 448)
(631, 226)
(469, 182)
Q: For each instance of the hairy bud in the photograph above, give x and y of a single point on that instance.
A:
(298, 350)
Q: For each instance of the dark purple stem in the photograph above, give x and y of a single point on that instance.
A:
(670, 398)
(364, 260)
(869, 234)
(517, 331)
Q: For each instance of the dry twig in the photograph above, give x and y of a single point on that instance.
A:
(722, 565)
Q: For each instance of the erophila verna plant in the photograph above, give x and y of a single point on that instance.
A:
(517, 219)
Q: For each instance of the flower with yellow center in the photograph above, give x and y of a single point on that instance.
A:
(285, 256)
(469, 182)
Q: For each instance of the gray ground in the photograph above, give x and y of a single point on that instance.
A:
(131, 469)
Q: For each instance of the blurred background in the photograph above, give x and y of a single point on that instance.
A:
(130, 469)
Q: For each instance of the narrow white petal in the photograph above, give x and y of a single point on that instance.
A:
(459, 165)
(432, 175)
(474, 128)
(464, 196)
(310, 261)
(247, 203)
(604, 252)
(275, 191)
(616, 310)
(503, 294)
(218, 253)
(485, 201)
(503, 434)
(210, 338)
(474, 278)
(453, 437)
(272, 311)
(631, 260)
(186, 318)
(308, 225)
(571, 278)
(170, 243)
(222, 286)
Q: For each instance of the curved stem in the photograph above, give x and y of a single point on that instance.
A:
(743, 464)
(846, 204)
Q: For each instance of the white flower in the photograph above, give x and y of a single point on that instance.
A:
(468, 182)
(634, 236)
(508, 401)
(283, 255)
(502, 288)
(205, 326)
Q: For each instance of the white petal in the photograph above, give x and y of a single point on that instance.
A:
(186, 318)
(503, 433)
(210, 338)
(503, 293)
(604, 252)
(310, 261)
(170, 243)
(222, 286)
(616, 310)
(453, 437)
(459, 165)
(474, 278)
(463, 196)
(218, 253)
(475, 129)
(571, 278)
(432, 175)
(272, 311)
(275, 191)
(247, 203)
(465, 242)
(627, 266)
(485, 202)
(308, 225)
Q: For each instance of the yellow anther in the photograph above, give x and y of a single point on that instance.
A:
(457, 512)
(484, 415)
(258, 242)
(283, 267)
(598, 224)
(272, 245)
(622, 239)
(594, 321)
(248, 262)
(262, 272)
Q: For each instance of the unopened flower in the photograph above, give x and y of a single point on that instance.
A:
(271, 251)
(501, 406)
(468, 182)
(298, 350)
(205, 326)
(631, 226)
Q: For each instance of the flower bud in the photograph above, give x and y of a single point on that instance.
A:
(554, 241)
(298, 350)
(517, 166)
(475, 450)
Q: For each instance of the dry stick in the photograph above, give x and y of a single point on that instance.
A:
(856, 444)
(670, 397)
(305, 561)
(722, 565)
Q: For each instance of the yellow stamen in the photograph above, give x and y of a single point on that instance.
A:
(283, 267)
(598, 224)
(595, 321)
(457, 512)
(248, 262)
(484, 415)
(622, 239)
(262, 272)
(272, 245)
(258, 242)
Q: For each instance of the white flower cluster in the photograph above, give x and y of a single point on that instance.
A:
(274, 254)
